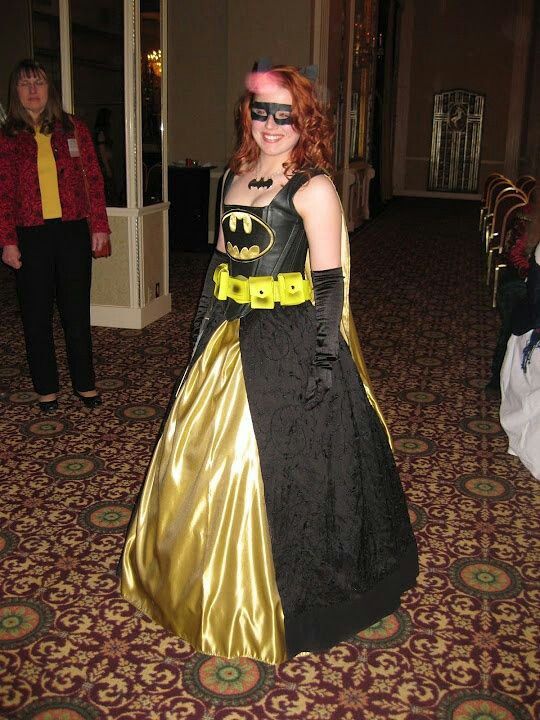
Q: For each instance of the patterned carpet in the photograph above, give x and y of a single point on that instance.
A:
(464, 644)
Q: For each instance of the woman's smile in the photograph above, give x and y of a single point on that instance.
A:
(271, 137)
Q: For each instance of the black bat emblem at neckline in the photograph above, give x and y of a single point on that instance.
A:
(261, 183)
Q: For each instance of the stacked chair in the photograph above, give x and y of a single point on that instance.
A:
(490, 181)
(501, 210)
(526, 183)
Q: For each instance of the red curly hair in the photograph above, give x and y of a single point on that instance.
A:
(310, 119)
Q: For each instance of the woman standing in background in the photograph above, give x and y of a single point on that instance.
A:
(520, 374)
(52, 217)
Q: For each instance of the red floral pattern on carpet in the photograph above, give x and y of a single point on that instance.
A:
(463, 645)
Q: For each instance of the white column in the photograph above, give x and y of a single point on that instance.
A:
(319, 50)
(165, 136)
(64, 19)
(139, 231)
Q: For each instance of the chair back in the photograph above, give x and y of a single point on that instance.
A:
(506, 204)
(528, 185)
(523, 179)
(489, 182)
(510, 221)
(496, 188)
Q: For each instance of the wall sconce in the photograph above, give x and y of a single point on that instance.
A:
(154, 62)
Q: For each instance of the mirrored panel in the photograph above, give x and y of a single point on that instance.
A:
(46, 37)
(151, 70)
(97, 37)
(16, 44)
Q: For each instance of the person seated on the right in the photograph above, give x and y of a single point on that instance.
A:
(512, 288)
(520, 374)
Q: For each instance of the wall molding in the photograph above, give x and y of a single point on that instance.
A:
(137, 212)
(427, 159)
(438, 195)
(131, 318)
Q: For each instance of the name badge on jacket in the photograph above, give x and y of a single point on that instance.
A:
(73, 147)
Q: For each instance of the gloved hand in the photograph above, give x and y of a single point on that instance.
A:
(328, 290)
(207, 293)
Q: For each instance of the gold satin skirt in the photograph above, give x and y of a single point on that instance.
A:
(198, 557)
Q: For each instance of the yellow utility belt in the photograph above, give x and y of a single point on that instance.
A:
(262, 292)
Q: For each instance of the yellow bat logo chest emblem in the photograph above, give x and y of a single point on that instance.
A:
(247, 237)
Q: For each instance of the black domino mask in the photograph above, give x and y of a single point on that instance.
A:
(281, 113)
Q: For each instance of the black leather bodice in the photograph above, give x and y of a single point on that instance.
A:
(264, 240)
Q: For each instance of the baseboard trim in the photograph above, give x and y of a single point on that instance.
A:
(131, 318)
(437, 194)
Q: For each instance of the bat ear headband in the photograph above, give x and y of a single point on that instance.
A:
(311, 72)
(263, 79)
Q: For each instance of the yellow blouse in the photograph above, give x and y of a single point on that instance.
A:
(48, 178)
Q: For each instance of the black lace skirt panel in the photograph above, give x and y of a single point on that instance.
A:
(337, 513)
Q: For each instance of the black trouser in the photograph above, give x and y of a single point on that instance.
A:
(56, 264)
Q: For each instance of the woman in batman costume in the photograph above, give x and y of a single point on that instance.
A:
(272, 520)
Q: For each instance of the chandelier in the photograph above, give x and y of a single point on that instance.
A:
(154, 61)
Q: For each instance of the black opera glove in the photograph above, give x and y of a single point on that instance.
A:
(328, 290)
(207, 294)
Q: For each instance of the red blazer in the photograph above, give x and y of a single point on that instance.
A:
(20, 196)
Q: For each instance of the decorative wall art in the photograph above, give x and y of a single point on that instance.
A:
(456, 141)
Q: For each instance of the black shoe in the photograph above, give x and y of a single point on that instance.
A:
(91, 402)
(48, 407)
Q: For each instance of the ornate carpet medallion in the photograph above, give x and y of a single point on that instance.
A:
(106, 517)
(463, 644)
(219, 681)
(489, 579)
(22, 622)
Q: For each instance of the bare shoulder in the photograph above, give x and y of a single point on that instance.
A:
(317, 195)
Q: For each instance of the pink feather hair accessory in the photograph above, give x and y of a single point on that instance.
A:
(259, 83)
